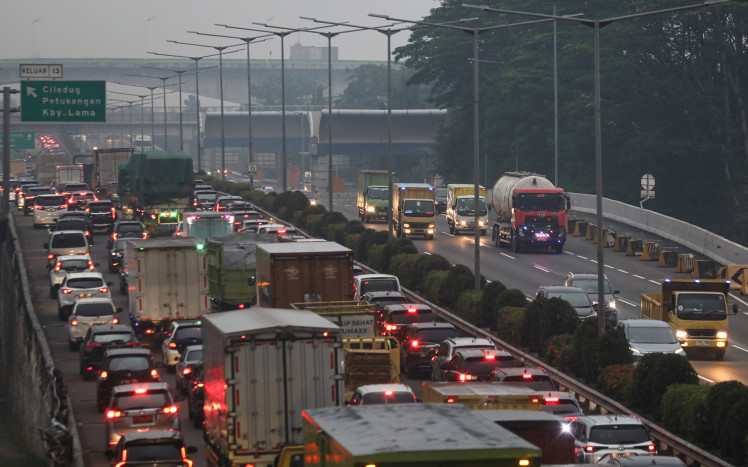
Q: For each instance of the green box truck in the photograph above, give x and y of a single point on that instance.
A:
(373, 195)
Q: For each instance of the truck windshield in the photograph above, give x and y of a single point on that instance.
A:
(379, 192)
(465, 206)
(540, 202)
(418, 208)
(702, 306)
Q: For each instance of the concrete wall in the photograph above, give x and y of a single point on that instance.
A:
(697, 239)
(27, 370)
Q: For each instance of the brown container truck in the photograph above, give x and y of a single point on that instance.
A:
(303, 272)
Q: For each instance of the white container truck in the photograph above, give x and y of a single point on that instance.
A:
(262, 367)
(460, 212)
(206, 224)
(106, 165)
(167, 280)
(68, 174)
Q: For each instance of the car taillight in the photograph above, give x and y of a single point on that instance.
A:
(200, 385)
(415, 344)
(113, 414)
(155, 375)
(526, 376)
(170, 410)
(114, 236)
(115, 320)
(466, 377)
(132, 344)
(88, 209)
(490, 357)
(50, 256)
(87, 233)
(74, 322)
(651, 448)
(145, 235)
(172, 345)
(571, 418)
(590, 448)
(103, 375)
(91, 265)
(58, 267)
(391, 327)
(66, 291)
(38, 206)
(187, 371)
(103, 289)
(551, 400)
(93, 345)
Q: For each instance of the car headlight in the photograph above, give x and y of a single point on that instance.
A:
(370, 209)
(463, 222)
(612, 304)
(680, 334)
(407, 226)
(721, 334)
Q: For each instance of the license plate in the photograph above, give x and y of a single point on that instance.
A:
(85, 295)
(51, 209)
(620, 454)
(702, 343)
(126, 381)
(142, 419)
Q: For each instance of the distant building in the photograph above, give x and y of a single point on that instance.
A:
(306, 52)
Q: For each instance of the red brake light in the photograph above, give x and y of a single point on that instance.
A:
(66, 291)
(172, 345)
(450, 400)
(155, 375)
(411, 310)
(589, 449)
(74, 322)
(281, 232)
(50, 256)
(114, 236)
(387, 393)
(91, 265)
(103, 289)
(141, 391)
(415, 344)
(103, 375)
(526, 376)
(113, 414)
(187, 371)
(93, 345)
(170, 409)
(115, 320)
(145, 235)
(132, 344)
(200, 385)
(58, 266)
(38, 206)
(551, 401)
(490, 356)
(651, 448)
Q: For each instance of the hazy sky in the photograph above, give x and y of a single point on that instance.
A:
(129, 28)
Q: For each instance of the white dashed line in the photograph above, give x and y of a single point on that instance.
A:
(609, 266)
(654, 282)
(627, 302)
(508, 256)
(706, 379)
(739, 348)
(583, 257)
(625, 272)
(639, 277)
(541, 268)
(738, 299)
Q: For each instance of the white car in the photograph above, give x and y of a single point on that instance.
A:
(47, 209)
(89, 312)
(66, 242)
(80, 285)
(180, 334)
(65, 264)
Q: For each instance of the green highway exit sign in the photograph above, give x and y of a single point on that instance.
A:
(63, 101)
(20, 139)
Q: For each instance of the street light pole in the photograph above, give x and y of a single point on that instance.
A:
(247, 41)
(475, 32)
(596, 25)
(220, 49)
(179, 75)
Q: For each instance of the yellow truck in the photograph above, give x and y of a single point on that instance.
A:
(460, 212)
(410, 435)
(483, 395)
(367, 357)
(413, 210)
(697, 311)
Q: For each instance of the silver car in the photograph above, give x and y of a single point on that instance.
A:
(650, 336)
(65, 264)
(79, 285)
(89, 312)
(598, 437)
(588, 282)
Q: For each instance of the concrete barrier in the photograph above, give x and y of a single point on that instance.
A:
(621, 243)
(650, 251)
(668, 259)
(580, 228)
(635, 248)
(685, 263)
(705, 269)
(591, 232)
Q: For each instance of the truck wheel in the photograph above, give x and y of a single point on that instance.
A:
(516, 247)
(719, 354)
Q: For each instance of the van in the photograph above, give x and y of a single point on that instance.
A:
(47, 209)
(374, 283)
(66, 242)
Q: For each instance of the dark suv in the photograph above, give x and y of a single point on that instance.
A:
(397, 317)
(152, 447)
(76, 223)
(588, 282)
(103, 214)
(98, 340)
(477, 364)
(126, 229)
(418, 340)
(124, 366)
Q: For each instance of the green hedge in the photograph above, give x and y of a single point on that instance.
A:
(682, 409)
(432, 284)
(468, 305)
(655, 372)
(510, 322)
(487, 309)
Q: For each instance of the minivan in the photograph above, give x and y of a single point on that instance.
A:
(47, 209)
(374, 283)
(66, 242)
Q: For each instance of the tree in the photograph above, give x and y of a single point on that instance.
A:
(367, 89)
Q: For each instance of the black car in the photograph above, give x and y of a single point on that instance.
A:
(440, 200)
(103, 214)
(196, 397)
(241, 216)
(124, 366)
(76, 223)
(98, 340)
(397, 317)
(204, 200)
(477, 364)
(78, 199)
(117, 255)
(189, 359)
(419, 339)
(152, 447)
(379, 300)
(127, 229)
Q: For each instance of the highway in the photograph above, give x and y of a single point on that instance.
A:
(528, 270)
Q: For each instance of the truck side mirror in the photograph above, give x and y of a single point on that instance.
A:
(616, 292)
(735, 308)
(669, 307)
(251, 280)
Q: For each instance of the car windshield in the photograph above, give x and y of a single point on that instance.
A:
(112, 337)
(701, 306)
(206, 195)
(71, 224)
(619, 434)
(405, 317)
(434, 335)
(129, 362)
(561, 407)
(85, 283)
(590, 285)
(379, 192)
(94, 309)
(69, 241)
(96, 207)
(127, 228)
(540, 202)
(391, 398)
(651, 335)
(382, 302)
(538, 382)
(50, 201)
(74, 265)
(194, 355)
(40, 191)
(152, 452)
(441, 193)
(575, 299)
(151, 399)
(188, 332)
(378, 285)
(484, 366)
(416, 207)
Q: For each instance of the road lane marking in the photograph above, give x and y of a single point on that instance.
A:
(583, 257)
(706, 379)
(541, 268)
(639, 277)
(738, 299)
(625, 272)
(609, 266)
(739, 348)
(508, 256)
(654, 282)
(627, 302)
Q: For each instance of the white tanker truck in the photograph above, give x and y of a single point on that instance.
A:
(531, 212)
